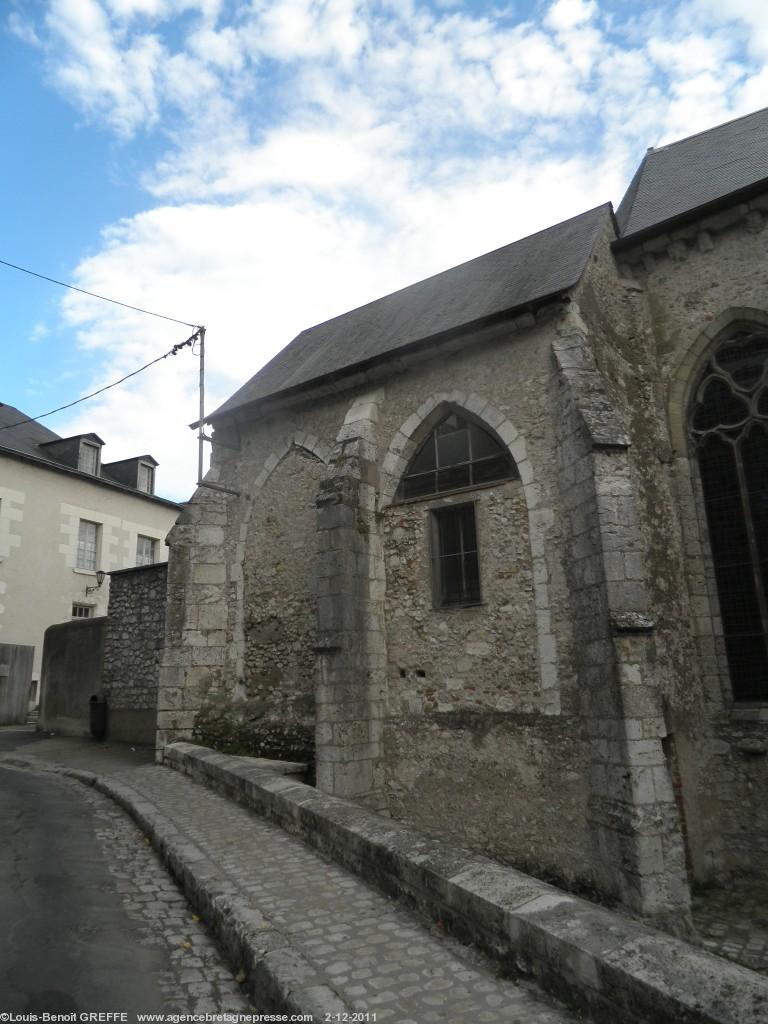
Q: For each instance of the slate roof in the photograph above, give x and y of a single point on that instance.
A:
(534, 268)
(672, 182)
(29, 439)
(680, 178)
(26, 437)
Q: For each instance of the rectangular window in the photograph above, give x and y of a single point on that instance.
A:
(82, 611)
(145, 550)
(87, 545)
(88, 459)
(455, 566)
(146, 478)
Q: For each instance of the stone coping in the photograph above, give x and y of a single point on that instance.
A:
(607, 965)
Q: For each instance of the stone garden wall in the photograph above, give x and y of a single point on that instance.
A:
(133, 644)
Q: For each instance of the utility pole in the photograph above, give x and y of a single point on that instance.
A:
(201, 425)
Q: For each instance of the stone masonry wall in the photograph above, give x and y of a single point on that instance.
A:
(133, 643)
(480, 700)
(280, 614)
(679, 294)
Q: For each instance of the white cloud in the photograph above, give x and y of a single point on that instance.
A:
(320, 154)
(566, 15)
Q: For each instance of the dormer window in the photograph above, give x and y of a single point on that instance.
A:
(88, 458)
(145, 480)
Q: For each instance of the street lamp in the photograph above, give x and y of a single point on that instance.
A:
(100, 577)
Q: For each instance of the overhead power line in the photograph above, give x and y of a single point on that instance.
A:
(93, 295)
(171, 352)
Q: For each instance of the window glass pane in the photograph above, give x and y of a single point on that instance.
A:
(754, 457)
(452, 479)
(482, 443)
(456, 562)
(744, 359)
(146, 478)
(87, 543)
(424, 459)
(719, 406)
(718, 468)
(451, 590)
(471, 578)
(488, 470)
(418, 486)
(449, 424)
(88, 460)
(449, 532)
(747, 660)
(145, 550)
(453, 447)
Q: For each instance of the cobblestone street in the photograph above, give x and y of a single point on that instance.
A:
(376, 956)
(197, 980)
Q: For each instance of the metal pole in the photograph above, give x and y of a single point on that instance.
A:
(200, 428)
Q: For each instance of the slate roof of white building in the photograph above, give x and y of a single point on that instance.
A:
(27, 439)
(682, 178)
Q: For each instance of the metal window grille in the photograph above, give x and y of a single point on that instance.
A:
(729, 429)
(82, 611)
(455, 564)
(87, 545)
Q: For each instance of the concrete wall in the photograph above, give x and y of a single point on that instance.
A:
(40, 510)
(15, 683)
(73, 654)
(133, 644)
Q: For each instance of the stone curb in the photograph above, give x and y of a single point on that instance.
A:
(612, 967)
(279, 978)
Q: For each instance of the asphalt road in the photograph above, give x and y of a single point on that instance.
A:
(66, 941)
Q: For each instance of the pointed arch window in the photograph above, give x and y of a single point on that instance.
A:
(458, 453)
(729, 430)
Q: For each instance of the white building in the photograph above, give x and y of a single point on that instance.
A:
(67, 517)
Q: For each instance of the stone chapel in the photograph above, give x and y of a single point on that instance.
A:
(491, 552)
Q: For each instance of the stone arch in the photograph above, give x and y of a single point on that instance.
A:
(300, 442)
(402, 448)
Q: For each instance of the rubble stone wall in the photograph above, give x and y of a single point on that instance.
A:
(133, 642)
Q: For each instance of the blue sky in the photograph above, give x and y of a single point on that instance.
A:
(260, 167)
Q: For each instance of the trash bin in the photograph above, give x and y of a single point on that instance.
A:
(98, 709)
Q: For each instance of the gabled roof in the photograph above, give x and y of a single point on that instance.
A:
(32, 441)
(676, 180)
(513, 277)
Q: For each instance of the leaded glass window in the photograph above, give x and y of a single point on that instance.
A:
(457, 454)
(729, 428)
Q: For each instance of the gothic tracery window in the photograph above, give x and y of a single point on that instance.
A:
(729, 429)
